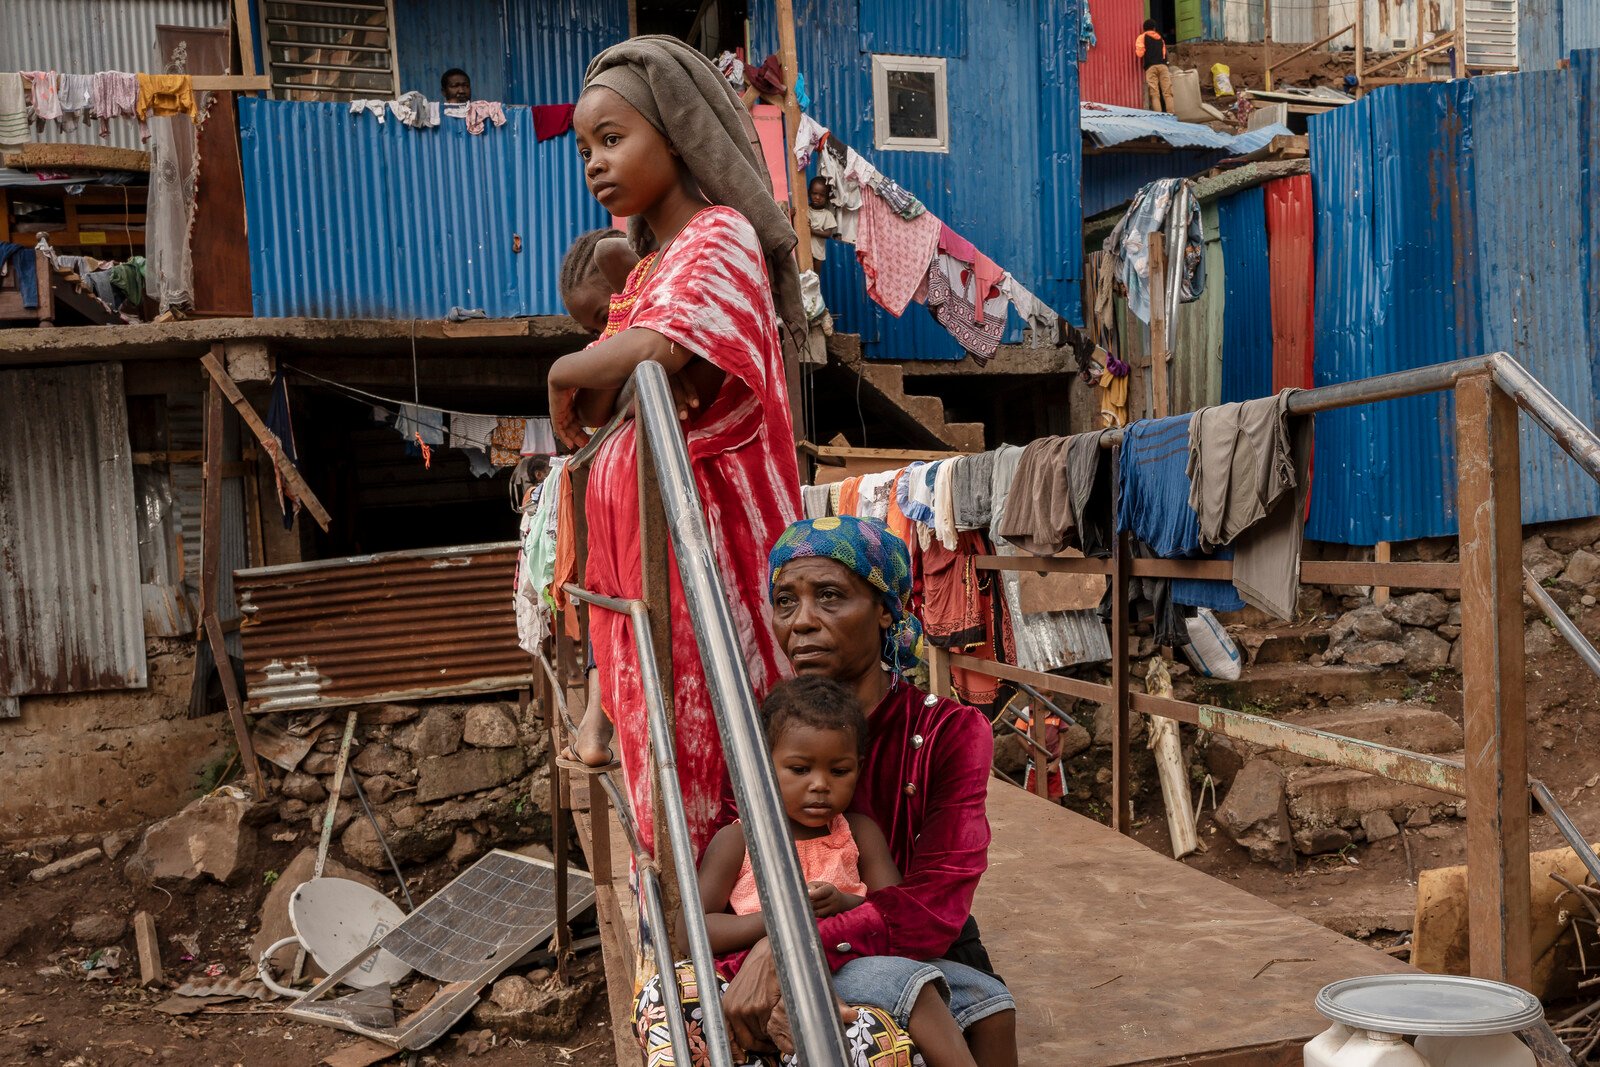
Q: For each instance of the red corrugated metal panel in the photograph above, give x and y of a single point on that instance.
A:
(1111, 74)
(402, 625)
(1291, 251)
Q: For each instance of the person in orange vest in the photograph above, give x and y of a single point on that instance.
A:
(1151, 48)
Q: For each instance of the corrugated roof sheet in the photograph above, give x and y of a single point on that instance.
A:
(71, 614)
(1197, 342)
(85, 36)
(1106, 125)
(1247, 314)
(1291, 257)
(1112, 74)
(352, 219)
(401, 625)
(1112, 178)
(1548, 31)
(1446, 231)
(1010, 181)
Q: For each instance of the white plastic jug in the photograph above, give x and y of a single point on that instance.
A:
(1322, 1050)
(1369, 1048)
(1493, 1050)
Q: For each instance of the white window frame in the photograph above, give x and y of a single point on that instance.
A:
(881, 66)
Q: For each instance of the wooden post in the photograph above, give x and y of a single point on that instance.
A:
(558, 814)
(788, 55)
(246, 36)
(1380, 553)
(1040, 754)
(210, 565)
(938, 670)
(1361, 41)
(1460, 67)
(1158, 325)
(1121, 799)
(1493, 704)
(149, 946)
(1266, 42)
(656, 591)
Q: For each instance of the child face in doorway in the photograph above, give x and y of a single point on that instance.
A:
(817, 192)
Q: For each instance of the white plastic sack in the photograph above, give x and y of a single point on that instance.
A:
(1210, 649)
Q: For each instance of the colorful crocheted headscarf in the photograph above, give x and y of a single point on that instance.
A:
(866, 547)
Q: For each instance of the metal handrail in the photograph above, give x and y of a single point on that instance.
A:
(797, 947)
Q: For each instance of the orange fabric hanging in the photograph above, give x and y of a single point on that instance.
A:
(566, 569)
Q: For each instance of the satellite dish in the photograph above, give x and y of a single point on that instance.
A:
(335, 919)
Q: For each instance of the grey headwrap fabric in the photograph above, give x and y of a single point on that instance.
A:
(687, 99)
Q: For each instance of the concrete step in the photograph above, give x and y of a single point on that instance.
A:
(1288, 644)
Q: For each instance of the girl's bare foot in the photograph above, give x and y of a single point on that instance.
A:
(592, 744)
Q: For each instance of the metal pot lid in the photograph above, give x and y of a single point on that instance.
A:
(1437, 1004)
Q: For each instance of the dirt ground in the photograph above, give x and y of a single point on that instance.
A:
(1247, 62)
(53, 1012)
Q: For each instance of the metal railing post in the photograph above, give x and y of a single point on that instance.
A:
(797, 948)
(1494, 707)
(655, 589)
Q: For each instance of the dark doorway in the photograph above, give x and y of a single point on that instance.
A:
(714, 26)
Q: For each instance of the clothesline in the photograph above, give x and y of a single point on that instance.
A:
(908, 254)
(29, 98)
(376, 398)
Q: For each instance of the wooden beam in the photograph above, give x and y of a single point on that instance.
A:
(210, 565)
(245, 34)
(1121, 712)
(212, 362)
(77, 157)
(149, 947)
(231, 83)
(788, 55)
(1493, 701)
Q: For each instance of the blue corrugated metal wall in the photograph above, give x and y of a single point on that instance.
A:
(350, 219)
(1549, 30)
(1247, 312)
(518, 51)
(1111, 178)
(929, 28)
(1442, 233)
(1010, 182)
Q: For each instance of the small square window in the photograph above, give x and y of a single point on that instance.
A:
(910, 105)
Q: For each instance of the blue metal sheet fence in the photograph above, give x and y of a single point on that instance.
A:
(1010, 180)
(352, 219)
(1442, 233)
(1247, 312)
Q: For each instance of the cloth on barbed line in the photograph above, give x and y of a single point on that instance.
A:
(1129, 244)
(1248, 470)
(1038, 516)
(538, 437)
(815, 500)
(46, 94)
(414, 421)
(978, 336)
(471, 432)
(972, 492)
(115, 94)
(894, 252)
(944, 503)
(505, 442)
(166, 94)
(1154, 506)
(14, 125)
(807, 138)
(551, 120)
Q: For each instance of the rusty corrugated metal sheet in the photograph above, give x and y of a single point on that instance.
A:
(401, 625)
(71, 614)
(1291, 253)
(1111, 73)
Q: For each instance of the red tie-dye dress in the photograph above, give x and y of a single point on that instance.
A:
(708, 292)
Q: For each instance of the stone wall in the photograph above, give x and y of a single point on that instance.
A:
(444, 779)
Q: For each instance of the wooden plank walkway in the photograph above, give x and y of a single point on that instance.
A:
(1121, 955)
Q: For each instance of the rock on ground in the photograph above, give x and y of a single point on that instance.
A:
(489, 726)
(415, 844)
(1540, 560)
(99, 928)
(207, 839)
(1424, 650)
(1378, 826)
(519, 1008)
(1255, 815)
(1418, 609)
(1582, 569)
